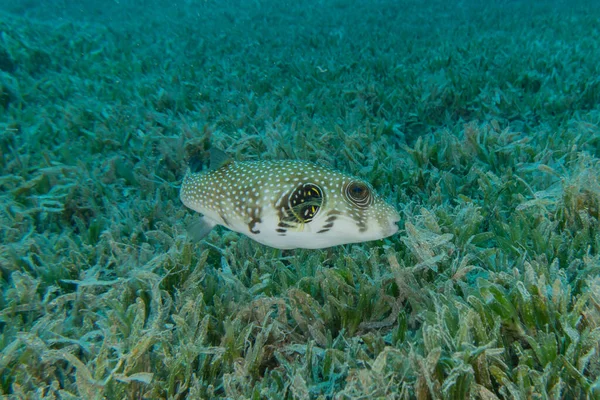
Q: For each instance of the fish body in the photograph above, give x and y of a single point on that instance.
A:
(288, 204)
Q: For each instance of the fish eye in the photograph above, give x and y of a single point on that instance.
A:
(359, 193)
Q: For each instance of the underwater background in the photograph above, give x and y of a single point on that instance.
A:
(479, 121)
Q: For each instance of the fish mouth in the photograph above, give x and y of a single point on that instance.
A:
(393, 226)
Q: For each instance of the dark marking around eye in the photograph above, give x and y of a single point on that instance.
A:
(255, 219)
(252, 225)
(301, 205)
(286, 224)
(362, 226)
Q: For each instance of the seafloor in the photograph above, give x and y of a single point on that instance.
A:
(479, 122)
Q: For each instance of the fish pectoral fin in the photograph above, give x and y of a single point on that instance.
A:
(200, 228)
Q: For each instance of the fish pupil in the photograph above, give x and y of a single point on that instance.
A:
(358, 191)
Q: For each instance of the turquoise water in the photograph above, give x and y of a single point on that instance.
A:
(478, 122)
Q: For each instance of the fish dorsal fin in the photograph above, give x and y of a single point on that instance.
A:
(218, 158)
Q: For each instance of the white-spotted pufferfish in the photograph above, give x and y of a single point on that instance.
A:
(286, 204)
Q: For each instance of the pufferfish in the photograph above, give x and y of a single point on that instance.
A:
(286, 204)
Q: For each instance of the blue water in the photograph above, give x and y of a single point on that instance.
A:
(478, 120)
